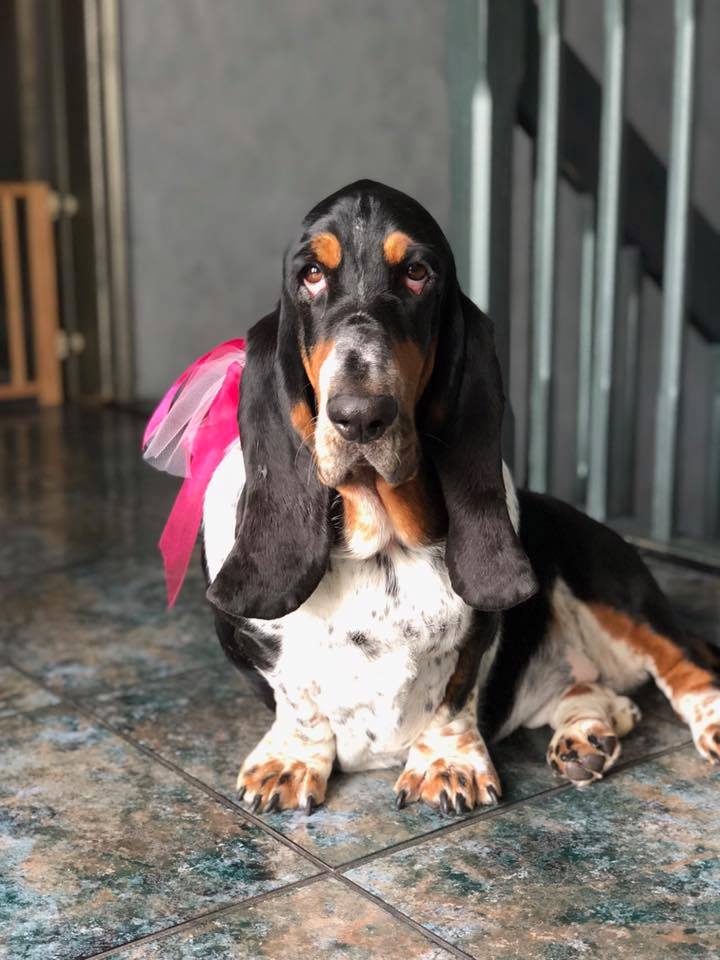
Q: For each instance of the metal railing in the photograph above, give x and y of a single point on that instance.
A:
(636, 221)
(29, 302)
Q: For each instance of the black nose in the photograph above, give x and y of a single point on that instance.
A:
(362, 419)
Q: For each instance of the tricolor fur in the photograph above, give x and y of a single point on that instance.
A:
(370, 564)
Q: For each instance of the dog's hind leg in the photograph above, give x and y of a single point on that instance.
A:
(693, 690)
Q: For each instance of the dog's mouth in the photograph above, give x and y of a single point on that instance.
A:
(394, 458)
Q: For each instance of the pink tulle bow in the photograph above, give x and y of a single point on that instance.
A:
(187, 435)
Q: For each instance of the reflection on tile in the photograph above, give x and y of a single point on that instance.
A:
(73, 488)
(20, 695)
(629, 868)
(99, 845)
(694, 595)
(323, 920)
(104, 626)
(205, 724)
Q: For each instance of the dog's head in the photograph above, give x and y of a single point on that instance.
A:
(373, 365)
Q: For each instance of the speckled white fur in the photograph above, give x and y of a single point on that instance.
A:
(374, 661)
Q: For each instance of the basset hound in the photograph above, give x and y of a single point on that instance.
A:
(370, 563)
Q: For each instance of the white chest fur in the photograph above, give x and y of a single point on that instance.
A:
(374, 646)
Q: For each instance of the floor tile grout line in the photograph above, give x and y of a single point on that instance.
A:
(334, 869)
(489, 813)
(328, 870)
(142, 682)
(167, 932)
(205, 788)
(494, 812)
(403, 918)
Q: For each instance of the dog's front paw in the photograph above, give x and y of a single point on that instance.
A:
(453, 774)
(287, 770)
(282, 783)
(583, 751)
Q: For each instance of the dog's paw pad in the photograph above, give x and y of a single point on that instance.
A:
(281, 784)
(583, 751)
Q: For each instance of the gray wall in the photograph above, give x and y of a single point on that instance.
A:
(241, 116)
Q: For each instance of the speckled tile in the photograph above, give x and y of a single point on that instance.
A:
(694, 595)
(18, 694)
(324, 920)
(627, 869)
(205, 724)
(99, 845)
(105, 626)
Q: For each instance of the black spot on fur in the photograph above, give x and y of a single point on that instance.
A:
(366, 644)
(391, 581)
(429, 706)
(370, 735)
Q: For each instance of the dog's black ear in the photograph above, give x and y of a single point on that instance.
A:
(461, 421)
(283, 538)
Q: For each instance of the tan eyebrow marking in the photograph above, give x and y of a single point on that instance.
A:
(395, 246)
(327, 249)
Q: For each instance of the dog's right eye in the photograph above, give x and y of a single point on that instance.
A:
(314, 279)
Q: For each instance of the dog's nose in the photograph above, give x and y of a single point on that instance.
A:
(361, 419)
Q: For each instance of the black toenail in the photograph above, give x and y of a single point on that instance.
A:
(608, 744)
(594, 762)
(401, 799)
(492, 793)
(577, 772)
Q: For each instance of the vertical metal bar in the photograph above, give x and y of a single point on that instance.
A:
(98, 192)
(481, 172)
(113, 115)
(544, 235)
(488, 37)
(624, 441)
(611, 133)
(13, 291)
(26, 32)
(674, 269)
(713, 489)
(585, 346)
(66, 256)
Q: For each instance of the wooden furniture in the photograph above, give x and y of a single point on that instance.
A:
(28, 253)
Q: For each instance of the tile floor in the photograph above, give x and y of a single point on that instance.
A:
(122, 727)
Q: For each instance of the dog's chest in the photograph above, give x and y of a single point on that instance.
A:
(373, 649)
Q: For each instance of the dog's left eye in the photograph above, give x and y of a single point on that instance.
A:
(416, 277)
(314, 279)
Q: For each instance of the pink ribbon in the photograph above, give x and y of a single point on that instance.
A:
(188, 434)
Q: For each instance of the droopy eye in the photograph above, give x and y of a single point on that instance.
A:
(415, 277)
(314, 279)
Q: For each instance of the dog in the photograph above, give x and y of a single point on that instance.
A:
(373, 569)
